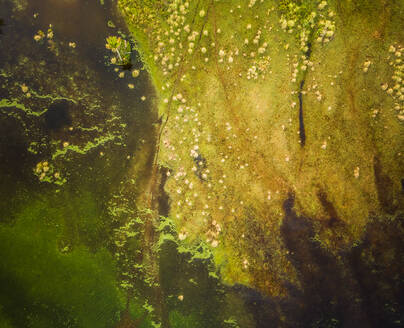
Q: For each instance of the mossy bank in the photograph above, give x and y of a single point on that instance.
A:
(260, 100)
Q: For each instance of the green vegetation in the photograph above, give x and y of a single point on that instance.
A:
(44, 283)
(121, 48)
(237, 76)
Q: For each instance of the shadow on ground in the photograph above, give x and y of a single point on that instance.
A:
(362, 287)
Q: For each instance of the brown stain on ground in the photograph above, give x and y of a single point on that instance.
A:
(384, 187)
(127, 322)
(384, 20)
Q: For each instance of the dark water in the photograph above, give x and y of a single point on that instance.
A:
(70, 82)
(81, 118)
(82, 22)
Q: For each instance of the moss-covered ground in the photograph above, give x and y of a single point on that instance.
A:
(263, 99)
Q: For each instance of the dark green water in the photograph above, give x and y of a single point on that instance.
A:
(79, 116)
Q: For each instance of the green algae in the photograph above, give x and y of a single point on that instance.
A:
(6, 103)
(53, 97)
(90, 145)
(231, 323)
(200, 251)
(39, 275)
(91, 129)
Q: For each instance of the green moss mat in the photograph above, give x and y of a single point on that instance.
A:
(228, 76)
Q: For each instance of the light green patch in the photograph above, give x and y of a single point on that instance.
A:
(89, 146)
(6, 103)
(51, 97)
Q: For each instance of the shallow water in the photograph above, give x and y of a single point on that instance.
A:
(82, 76)
(66, 106)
